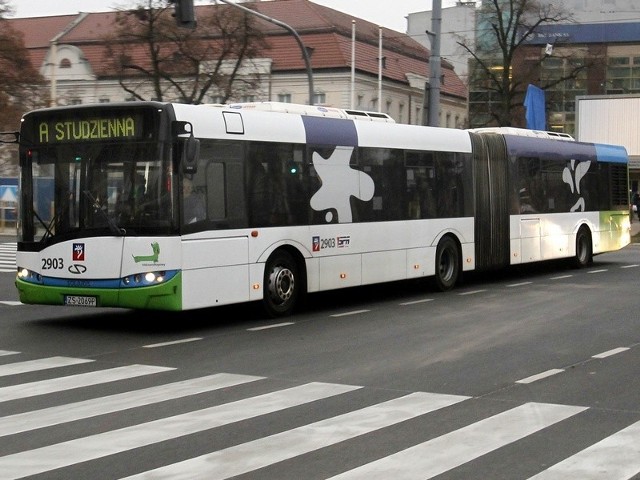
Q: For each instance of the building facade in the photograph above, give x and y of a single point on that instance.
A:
(71, 54)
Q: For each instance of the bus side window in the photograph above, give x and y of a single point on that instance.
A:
(259, 193)
(216, 207)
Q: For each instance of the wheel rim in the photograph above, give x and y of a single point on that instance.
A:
(281, 285)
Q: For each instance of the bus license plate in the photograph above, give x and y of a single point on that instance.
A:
(80, 301)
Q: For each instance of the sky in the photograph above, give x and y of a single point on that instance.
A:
(387, 13)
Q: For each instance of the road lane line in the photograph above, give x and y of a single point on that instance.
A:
(69, 412)
(174, 342)
(282, 446)
(540, 376)
(617, 457)
(44, 459)
(60, 384)
(436, 456)
(40, 364)
(611, 352)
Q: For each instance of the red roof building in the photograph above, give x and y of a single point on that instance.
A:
(71, 52)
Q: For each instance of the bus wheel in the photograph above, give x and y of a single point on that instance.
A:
(282, 284)
(447, 264)
(584, 249)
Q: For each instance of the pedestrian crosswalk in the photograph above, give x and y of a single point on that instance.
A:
(8, 257)
(223, 403)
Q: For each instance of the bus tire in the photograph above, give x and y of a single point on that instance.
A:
(584, 249)
(447, 264)
(282, 284)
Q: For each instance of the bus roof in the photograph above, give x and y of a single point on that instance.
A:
(524, 132)
(312, 110)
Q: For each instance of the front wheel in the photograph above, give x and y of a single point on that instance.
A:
(282, 284)
(447, 264)
(584, 249)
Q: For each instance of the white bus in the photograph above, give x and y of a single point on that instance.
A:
(285, 200)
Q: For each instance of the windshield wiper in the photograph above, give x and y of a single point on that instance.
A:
(48, 232)
(113, 227)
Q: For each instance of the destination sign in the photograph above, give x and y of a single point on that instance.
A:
(89, 129)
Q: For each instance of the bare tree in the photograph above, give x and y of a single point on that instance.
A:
(157, 60)
(504, 62)
(21, 88)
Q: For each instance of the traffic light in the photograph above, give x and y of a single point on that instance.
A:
(184, 13)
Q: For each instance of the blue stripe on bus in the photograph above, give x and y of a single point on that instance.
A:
(109, 283)
(330, 131)
(550, 149)
(562, 149)
(611, 153)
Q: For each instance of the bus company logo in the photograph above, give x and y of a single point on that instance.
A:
(155, 248)
(78, 252)
(77, 269)
(315, 244)
(344, 241)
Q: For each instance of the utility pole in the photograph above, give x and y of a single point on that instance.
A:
(435, 65)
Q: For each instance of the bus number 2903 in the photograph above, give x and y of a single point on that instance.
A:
(52, 263)
(323, 243)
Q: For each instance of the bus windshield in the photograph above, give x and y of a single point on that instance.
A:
(82, 189)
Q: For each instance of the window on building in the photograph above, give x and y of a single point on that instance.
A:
(561, 96)
(65, 63)
(247, 98)
(284, 97)
(319, 98)
(623, 75)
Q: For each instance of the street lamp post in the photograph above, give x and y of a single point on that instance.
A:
(305, 53)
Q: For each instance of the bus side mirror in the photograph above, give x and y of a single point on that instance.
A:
(190, 154)
(189, 146)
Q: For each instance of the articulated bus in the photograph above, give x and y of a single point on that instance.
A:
(166, 206)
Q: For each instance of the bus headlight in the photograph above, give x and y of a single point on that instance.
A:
(145, 279)
(28, 275)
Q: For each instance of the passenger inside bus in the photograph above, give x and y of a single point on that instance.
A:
(194, 208)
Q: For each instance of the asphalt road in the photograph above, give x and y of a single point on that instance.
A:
(527, 373)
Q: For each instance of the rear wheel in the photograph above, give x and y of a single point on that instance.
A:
(584, 249)
(282, 284)
(447, 264)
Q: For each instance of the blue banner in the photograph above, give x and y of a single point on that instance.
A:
(534, 103)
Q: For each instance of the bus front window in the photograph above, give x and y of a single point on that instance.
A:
(100, 188)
